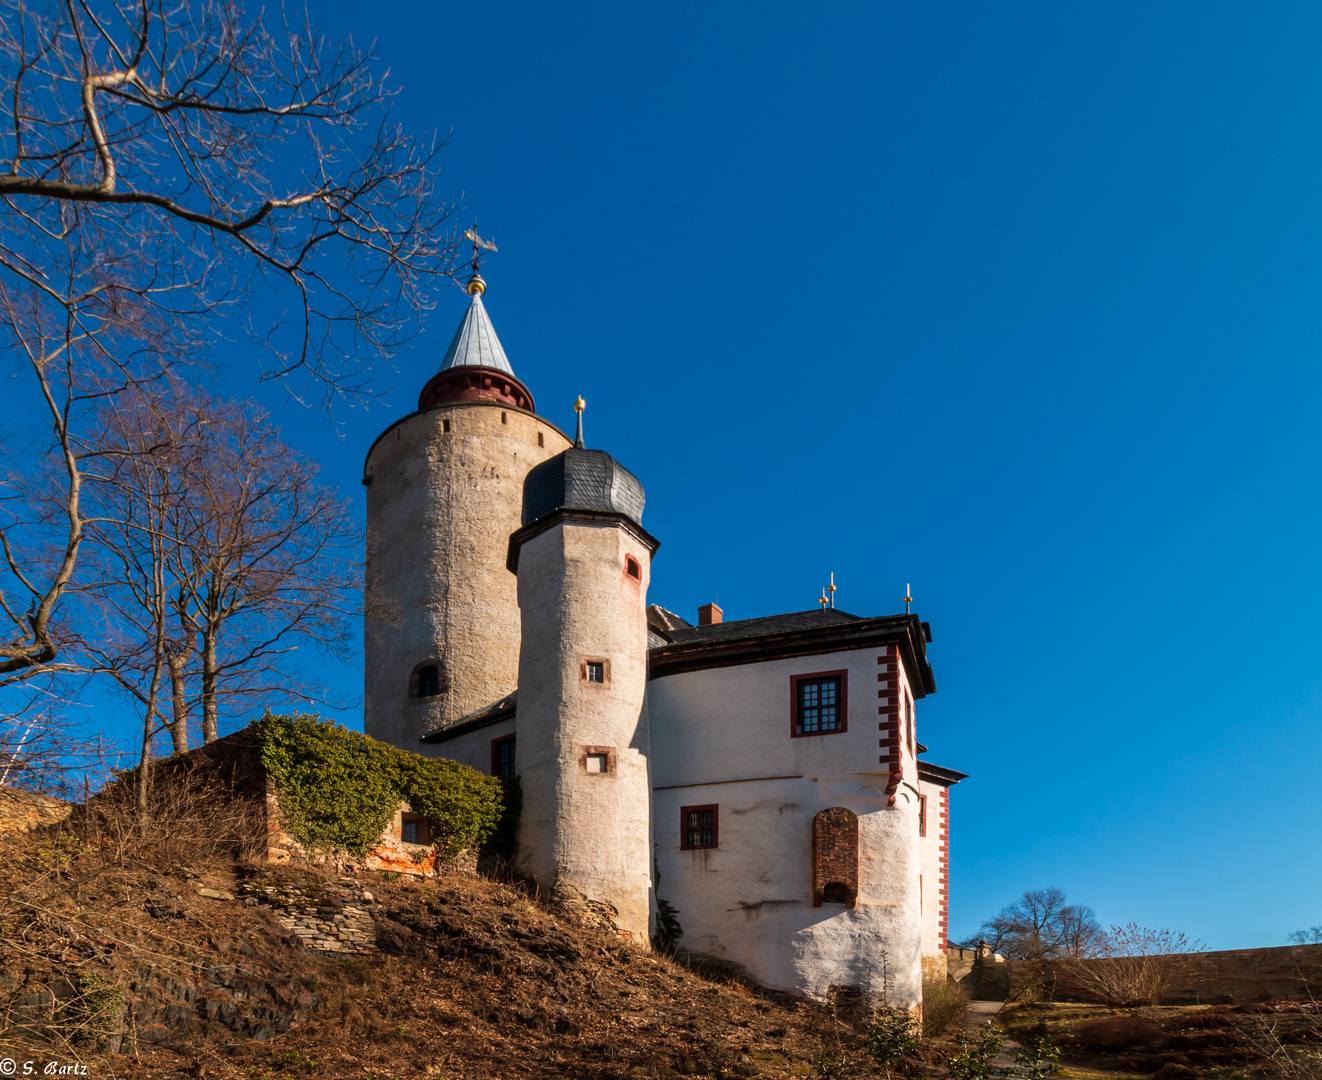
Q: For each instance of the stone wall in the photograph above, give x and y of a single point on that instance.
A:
(324, 915)
(24, 810)
(1236, 976)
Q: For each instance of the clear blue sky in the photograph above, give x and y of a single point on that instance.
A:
(1017, 302)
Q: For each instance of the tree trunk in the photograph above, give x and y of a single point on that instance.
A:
(148, 729)
(179, 728)
(209, 734)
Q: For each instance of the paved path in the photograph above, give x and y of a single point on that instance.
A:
(979, 1013)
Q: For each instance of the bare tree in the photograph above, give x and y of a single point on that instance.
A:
(1311, 936)
(165, 164)
(1041, 925)
(212, 554)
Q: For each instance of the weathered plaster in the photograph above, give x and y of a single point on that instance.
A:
(440, 509)
(587, 828)
(749, 901)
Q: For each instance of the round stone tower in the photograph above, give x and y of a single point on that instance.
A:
(444, 492)
(583, 562)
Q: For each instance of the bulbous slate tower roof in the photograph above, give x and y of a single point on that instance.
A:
(475, 367)
(582, 479)
(579, 483)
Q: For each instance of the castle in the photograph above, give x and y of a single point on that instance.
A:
(757, 782)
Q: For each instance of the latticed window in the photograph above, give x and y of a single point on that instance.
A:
(698, 827)
(596, 671)
(819, 705)
(502, 757)
(429, 681)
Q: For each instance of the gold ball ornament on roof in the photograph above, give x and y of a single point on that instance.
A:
(580, 404)
(476, 286)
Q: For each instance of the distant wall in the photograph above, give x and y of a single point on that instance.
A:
(1236, 976)
(23, 810)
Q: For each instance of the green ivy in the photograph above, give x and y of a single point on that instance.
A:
(339, 788)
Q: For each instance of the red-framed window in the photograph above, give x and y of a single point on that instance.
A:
(818, 703)
(502, 756)
(922, 815)
(699, 827)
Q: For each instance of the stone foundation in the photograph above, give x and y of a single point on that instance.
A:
(324, 915)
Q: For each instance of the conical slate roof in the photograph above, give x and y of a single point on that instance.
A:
(475, 343)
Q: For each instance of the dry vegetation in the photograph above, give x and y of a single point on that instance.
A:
(1273, 1040)
(102, 934)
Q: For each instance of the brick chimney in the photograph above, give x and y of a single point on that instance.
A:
(709, 614)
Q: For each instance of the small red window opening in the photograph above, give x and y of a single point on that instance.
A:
(632, 568)
(699, 827)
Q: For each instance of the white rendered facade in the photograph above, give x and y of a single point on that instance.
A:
(679, 770)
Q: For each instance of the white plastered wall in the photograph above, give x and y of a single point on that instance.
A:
(933, 873)
(473, 748)
(749, 901)
(592, 830)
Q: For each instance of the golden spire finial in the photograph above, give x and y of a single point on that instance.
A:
(579, 406)
(908, 597)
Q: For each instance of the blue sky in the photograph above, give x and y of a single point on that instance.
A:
(1015, 302)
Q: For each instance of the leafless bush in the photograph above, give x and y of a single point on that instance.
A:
(1298, 1059)
(195, 812)
(945, 1005)
(1135, 965)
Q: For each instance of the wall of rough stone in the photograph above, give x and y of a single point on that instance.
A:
(325, 915)
(1236, 976)
(23, 810)
(445, 490)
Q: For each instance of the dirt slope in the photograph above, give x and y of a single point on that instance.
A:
(131, 969)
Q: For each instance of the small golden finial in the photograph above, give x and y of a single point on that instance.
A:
(579, 406)
(831, 588)
(908, 597)
(823, 601)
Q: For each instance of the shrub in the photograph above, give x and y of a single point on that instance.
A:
(1137, 965)
(945, 1003)
(339, 788)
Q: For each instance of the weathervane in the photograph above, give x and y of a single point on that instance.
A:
(476, 286)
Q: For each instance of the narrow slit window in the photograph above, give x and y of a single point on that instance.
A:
(445, 426)
(504, 419)
(541, 439)
(502, 757)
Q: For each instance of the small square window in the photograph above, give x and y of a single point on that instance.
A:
(598, 763)
(596, 671)
(409, 832)
(699, 827)
(818, 703)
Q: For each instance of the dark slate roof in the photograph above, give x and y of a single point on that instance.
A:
(769, 624)
(480, 718)
(581, 479)
(939, 774)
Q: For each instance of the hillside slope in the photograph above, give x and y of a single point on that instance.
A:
(132, 968)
